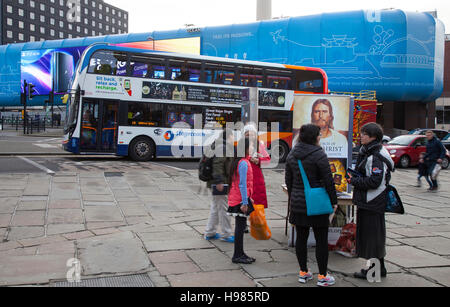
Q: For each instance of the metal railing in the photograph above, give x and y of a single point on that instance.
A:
(363, 95)
(32, 125)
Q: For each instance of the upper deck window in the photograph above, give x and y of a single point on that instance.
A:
(279, 79)
(309, 81)
(251, 76)
(106, 62)
(184, 70)
(220, 74)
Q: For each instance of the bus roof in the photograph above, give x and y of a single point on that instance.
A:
(106, 46)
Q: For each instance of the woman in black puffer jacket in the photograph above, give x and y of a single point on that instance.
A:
(317, 169)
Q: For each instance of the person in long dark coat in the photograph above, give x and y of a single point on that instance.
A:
(374, 164)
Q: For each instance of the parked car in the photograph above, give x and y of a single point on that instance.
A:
(405, 150)
(440, 134)
(446, 141)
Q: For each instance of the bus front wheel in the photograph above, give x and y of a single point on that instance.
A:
(142, 149)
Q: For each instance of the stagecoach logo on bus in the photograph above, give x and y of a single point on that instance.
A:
(169, 135)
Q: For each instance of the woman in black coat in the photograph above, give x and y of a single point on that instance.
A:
(374, 163)
(317, 169)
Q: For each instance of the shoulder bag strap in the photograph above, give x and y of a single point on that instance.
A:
(304, 177)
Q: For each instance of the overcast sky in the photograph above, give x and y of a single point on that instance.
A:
(155, 15)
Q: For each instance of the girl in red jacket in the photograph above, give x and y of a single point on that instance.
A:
(258, 159)
(240, 202)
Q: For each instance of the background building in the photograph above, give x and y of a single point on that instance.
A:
(39, 20)
(443, 103)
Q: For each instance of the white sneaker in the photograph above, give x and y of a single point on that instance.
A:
(325, 281)
(303, 277)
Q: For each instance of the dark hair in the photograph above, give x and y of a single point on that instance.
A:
(243, 143)
(373, 130)
(330, 109)
(309, 134)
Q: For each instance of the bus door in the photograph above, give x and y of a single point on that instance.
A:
(99, 126)
(109, 126)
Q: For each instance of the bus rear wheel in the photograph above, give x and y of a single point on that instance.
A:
(142, 149)
(279, 151)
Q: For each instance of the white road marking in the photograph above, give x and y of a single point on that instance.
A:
(172, 167)
(45, 145)
(48, 171)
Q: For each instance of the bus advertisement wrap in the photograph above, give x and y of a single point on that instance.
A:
(206, 94)
(54, 68)
(334, 115)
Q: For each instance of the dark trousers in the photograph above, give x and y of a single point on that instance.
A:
(241, 223)
(321, 236)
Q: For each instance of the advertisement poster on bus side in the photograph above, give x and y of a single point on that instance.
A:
(187, 92)
(333, 114)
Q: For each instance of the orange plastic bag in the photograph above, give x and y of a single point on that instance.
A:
(258, 224)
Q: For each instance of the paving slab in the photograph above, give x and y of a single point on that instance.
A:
(168, 257)
(175, 240)
(32, 205)
(177, 268)
(134, 210)
(97, 198)
(100, 225)
(10, 193)
(441, 275)
(103, 214)
(211, 260)
(271, 269)
(411, 233)
(59, 248)
(65, 216)
(394, 280)
(25, 232)
(8, 204)
(62, 191)
(9, 246)
(233, 279)
(53, 229)
(436, 245)
(292, 281)
(64, 204)
(116, 253)
(28, 218)
(410, 257)
(36, 269)
(5, 219)
(42, 241)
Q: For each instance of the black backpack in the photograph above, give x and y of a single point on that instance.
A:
(205, 168)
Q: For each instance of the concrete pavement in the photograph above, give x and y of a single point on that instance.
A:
(146, 218)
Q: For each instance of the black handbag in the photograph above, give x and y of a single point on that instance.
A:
(393, 202)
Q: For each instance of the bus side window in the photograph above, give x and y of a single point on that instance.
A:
(156, 68)
(282, 82)
(224, 76)
(251, 76)
(311, 86)
(138, 66)
(187, 71)
(144, 114)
